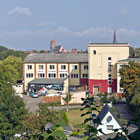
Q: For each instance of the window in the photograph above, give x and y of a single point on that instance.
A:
(74, 67)
(85, 75)
(74, 75)
(109, 58)
(62, 75)
(29, 75)
(94, 51)
(109, 79)
(109, 127)
(52, 75)
(121, 66)
(85, 67)
(29, 66)
(63, 67)
(51, 66)
(40, 75)
(109, 66)
(40, 66)
(121, 90)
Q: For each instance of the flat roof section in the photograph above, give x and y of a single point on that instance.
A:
(108, 45)
(47, 81)
(129, 59)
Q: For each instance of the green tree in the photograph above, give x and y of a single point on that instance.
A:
(12, 113)
(131, 51)
(88, 130)
(35, 124)
(67, 99)
(129, 76)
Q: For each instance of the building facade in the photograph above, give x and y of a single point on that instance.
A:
(98, 68)
(102, 60)
(74, 67)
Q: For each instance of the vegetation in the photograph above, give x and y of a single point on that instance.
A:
(67, 99)
(130, 82)
(12, 113)
(88, 131)
(35, 125)
(5, 52)
(134, 52)
(74, 116)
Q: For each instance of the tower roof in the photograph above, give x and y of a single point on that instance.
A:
(114, 38)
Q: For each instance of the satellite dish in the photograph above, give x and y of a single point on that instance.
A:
(109, 118)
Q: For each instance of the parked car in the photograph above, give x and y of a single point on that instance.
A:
(34, 94)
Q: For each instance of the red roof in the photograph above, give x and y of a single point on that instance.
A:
(53, 41)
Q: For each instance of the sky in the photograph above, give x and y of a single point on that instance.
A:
(32, 24)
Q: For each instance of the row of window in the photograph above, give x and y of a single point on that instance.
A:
(63, 67)
(53, 75)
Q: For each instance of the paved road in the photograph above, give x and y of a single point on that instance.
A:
(122, 111)
(32, 103)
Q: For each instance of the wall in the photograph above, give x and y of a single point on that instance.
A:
(25, 71)
(105, 123)
(76, 97)
(98, 63)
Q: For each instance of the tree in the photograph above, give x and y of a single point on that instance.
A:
(10, 70)
(131, 51)
(67, 99)
(130, 74)
(35, 125)
(89, 131)
(12, 113)
(134, 98)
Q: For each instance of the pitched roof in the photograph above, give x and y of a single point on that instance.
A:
(56, 58)
(57, 48)
(104, 111)
(47, 81)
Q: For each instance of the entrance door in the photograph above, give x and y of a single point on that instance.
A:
(109, 90)
(96, 89)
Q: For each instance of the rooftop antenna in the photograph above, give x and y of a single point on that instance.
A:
(114, 38)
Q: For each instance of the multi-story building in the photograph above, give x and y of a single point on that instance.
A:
(98, 68)
(102, 60)
(54, 68)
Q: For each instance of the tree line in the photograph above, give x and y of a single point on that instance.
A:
(134, 52)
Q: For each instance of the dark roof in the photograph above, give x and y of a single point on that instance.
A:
(130, 59)
(57, 48)
(104, 111)
(56, 58)
(47, 81)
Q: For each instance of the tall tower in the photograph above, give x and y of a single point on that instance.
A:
(114, 38)
(52, 45)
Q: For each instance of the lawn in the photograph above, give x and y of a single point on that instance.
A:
(75, 118)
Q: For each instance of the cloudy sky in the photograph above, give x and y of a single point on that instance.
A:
(32, 24)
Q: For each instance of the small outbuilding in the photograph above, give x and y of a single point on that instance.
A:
(109, 122)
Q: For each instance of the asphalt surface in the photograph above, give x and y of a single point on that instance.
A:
(123, 112)
(32, 104)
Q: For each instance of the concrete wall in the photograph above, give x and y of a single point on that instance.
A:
(76, 97)
(98, 64)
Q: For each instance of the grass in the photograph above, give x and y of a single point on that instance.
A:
(75, 118)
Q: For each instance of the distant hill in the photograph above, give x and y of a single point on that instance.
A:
(5, 52)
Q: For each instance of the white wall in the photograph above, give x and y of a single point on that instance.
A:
(105, 123)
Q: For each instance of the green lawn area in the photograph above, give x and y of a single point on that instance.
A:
(75, 118)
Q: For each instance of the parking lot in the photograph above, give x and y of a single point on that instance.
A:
(32, 103)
